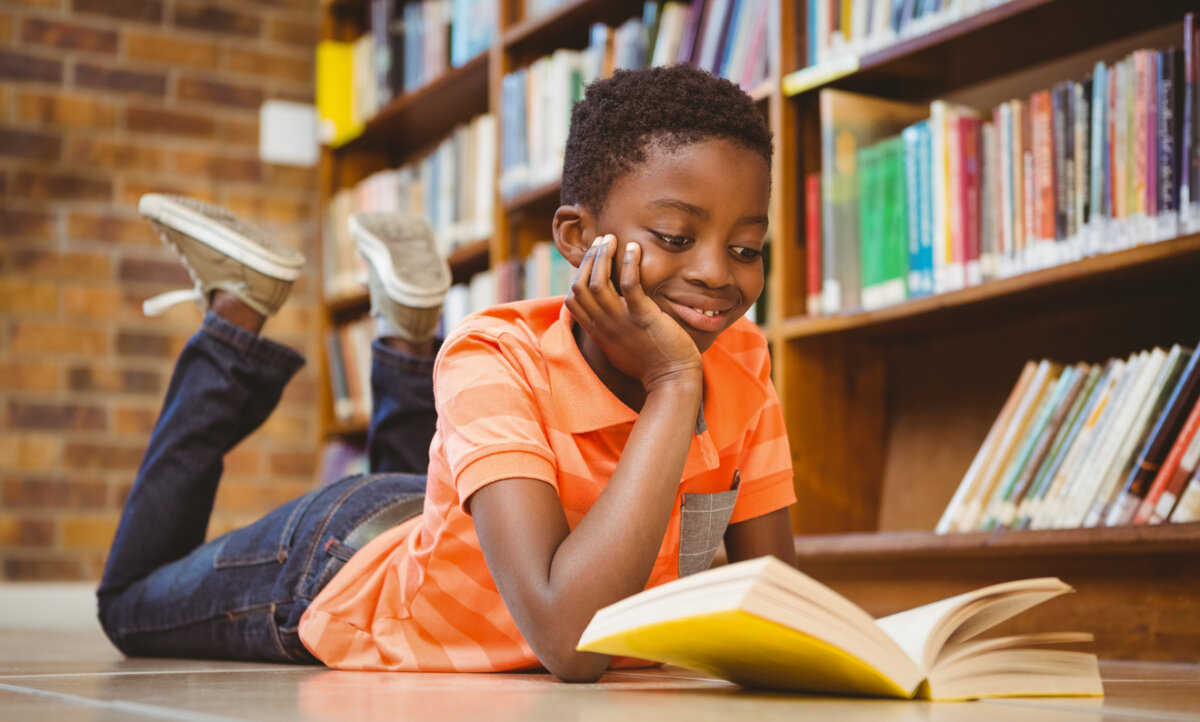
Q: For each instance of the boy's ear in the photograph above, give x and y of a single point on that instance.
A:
(574, 230)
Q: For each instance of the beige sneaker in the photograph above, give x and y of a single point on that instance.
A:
(406, 275)
(220, 253)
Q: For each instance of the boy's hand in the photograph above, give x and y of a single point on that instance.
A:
(637, 337)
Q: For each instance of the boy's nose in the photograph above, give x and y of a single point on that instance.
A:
(708, 265)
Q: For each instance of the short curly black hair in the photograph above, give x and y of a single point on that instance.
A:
(623, 116)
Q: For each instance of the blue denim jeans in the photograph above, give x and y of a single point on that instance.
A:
(167, 592)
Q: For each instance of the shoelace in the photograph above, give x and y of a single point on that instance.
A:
(159, 304)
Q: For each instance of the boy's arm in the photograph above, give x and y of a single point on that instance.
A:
(553, 579)
(767, 534)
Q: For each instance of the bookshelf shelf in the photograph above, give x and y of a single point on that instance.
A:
(564, 26)
(1148, 265)
(1098, 542)
(1016, 35)
(415, 120)
(537, 200)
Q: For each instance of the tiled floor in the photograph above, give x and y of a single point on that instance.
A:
(77, 675)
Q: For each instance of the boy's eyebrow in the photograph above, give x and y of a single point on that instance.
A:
(702, 213)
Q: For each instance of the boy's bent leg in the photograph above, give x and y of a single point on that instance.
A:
(241, 596)
(225, 384)
(403, 415)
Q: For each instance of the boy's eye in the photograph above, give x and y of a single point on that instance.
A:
(746, 254)
(677, 241)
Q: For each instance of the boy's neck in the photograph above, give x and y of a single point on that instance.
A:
(624, 387)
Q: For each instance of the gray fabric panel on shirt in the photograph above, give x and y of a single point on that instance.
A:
(702, 524)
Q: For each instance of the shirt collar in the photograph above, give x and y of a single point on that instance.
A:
(733, 394)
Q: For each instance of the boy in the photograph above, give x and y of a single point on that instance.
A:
(585, 448)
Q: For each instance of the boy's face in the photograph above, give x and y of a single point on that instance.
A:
(699, 214)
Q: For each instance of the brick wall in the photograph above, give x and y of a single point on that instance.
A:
(100, 102)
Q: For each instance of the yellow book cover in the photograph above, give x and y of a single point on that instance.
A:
(335, 92)
(762, 623)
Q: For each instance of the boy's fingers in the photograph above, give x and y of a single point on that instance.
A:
(602, 284)
(631, 277)
(580, 292)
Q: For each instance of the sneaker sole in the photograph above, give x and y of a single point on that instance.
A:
(224, 240)
(380, 259)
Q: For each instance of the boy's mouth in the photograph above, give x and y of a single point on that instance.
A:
(709, 320)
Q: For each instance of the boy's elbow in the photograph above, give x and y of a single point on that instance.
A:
(576, 667)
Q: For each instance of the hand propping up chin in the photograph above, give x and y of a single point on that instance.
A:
(637, 337)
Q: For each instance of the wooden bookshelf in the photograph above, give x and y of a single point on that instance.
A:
(886, 409)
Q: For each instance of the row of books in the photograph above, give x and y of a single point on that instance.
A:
(729, 38)
(839, 28)
(915, 199)
(341, 458)
(453, 188)
(1088, 445)
(348, 350)
(406, 45)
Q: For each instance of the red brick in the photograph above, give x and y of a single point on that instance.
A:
(272, 65)
(24, 67)
(144, 10)
(43, 186)
(219, 167)
(105, 456)
(219, 93)
(65, 110)
(286, 176)
(40, 567)
(244, 459)
(43, 4)
(120, 80)
(56, 493)
(21, 532)
(112, 379)
(169, 122)
(59, 266)
(171, 48)
(290, 32)
(28, 376)
(69, 36)
(129, 420)
(111, 229)
(112, 154)
(22, 296)
(255, 499)
(294, 463)
(87, 532)
(19, 223)
(56, 338)
(6, 28)
(140, 270)
(202, 16)
(56, 417)
(91, 302)
(152, 345)
(242, 131)
(133, 190)
(30, 145)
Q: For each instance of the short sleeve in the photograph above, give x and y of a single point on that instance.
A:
(491, 390)
(765, 463)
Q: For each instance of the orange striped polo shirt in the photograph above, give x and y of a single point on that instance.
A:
(515, 398)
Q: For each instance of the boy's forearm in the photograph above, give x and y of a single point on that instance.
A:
(612, 551)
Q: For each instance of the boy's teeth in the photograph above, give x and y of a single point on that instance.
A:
(706, 313)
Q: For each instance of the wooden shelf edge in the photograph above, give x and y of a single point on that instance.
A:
(441, 91)
(1087, 269)
(839, 68)
(340, 429)
(1097, 542)
(534, 197)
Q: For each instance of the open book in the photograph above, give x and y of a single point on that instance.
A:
(762, 623)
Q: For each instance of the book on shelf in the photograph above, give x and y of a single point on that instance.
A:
(451, 188)
(1088, 165)
(335, 92)
(849, 122)
(812, 241)
(1086, 445)
(853, 28)
(729, 38)
(762, 623)
(348, 349)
